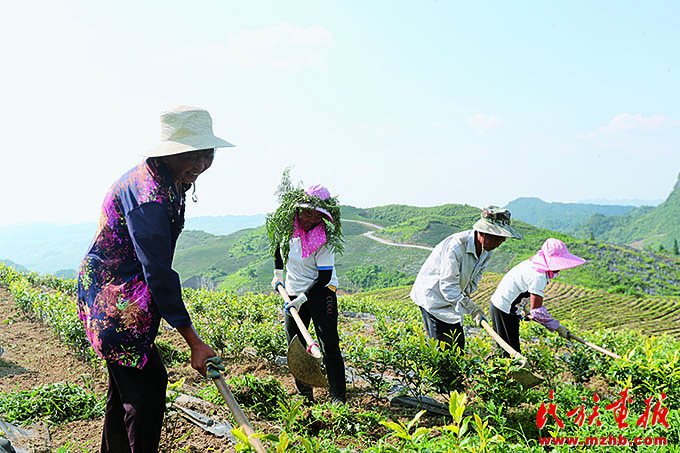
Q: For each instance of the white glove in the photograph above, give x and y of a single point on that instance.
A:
(477, 314)
(278, 278)
(297, 303)
(563, 332)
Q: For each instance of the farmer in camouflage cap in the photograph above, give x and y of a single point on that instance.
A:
(496, 222)
(452, 272)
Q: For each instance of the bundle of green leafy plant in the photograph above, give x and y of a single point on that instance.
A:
(264, 396)
(56, 403)
(280, 223)
(261, 395)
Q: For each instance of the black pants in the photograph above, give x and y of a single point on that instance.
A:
(506, 326)
(443, 331)
(322, 308)
(135, 405)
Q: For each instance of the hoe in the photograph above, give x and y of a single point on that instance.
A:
(304, 363)
(237, 412)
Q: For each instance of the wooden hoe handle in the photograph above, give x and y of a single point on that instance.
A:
(312, 346)
(589, 344)
(595, 347)
(236, 411)
(514, 354)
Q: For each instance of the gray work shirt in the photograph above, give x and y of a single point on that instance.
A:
(449, 275)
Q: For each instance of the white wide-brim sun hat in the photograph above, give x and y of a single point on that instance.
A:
(186, 129)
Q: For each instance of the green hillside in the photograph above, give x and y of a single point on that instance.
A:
(240, 262)
(613, 268)
(648, 228)
(14, 265)
(397, 213)
(206, 260)
(582, 308)
(564, 217)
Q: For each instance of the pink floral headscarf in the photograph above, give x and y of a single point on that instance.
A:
(316, 237)
(309, 240)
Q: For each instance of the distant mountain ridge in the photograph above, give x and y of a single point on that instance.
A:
(644, 227)
(58, 249)
(623, 202)
(46, 248)
(225, 224)
(564, 217)
(16, 266)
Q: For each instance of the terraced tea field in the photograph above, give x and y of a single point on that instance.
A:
(584, 308)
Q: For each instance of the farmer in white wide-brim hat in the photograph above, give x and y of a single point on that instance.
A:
(522, 289)
(126, 283)
(305, 233)
(452, 272)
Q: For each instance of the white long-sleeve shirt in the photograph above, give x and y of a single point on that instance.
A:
(449, 275)
(520, 282)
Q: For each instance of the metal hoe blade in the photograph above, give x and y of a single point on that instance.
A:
(305, 367)
(525, 377)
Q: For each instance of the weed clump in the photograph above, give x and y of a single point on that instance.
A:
(55, 403)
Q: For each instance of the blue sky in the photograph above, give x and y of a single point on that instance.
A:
(419, 103)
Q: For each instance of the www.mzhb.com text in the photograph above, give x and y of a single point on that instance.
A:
(605, 440)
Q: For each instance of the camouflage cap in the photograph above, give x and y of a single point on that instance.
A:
(496, 221)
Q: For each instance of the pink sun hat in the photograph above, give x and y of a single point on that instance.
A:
(554, 256)
(319, 191)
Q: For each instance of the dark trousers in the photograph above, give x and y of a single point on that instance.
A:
(135, 405)
(322, 308)
(443, 331)
(507, 327)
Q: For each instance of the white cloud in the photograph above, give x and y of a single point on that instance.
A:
(625, 122)
(483, 124)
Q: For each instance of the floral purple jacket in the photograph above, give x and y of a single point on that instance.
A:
(125, 282)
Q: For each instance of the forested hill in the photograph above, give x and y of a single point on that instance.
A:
(652, 228)
(649, 228)
(240, 261)
(564, 217)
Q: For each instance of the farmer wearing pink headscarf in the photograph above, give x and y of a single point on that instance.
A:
(521, 291)
(305, 234)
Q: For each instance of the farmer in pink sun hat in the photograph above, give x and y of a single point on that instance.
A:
(305, 233)
(521, 291)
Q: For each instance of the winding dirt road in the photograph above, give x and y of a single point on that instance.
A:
(371, 235)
